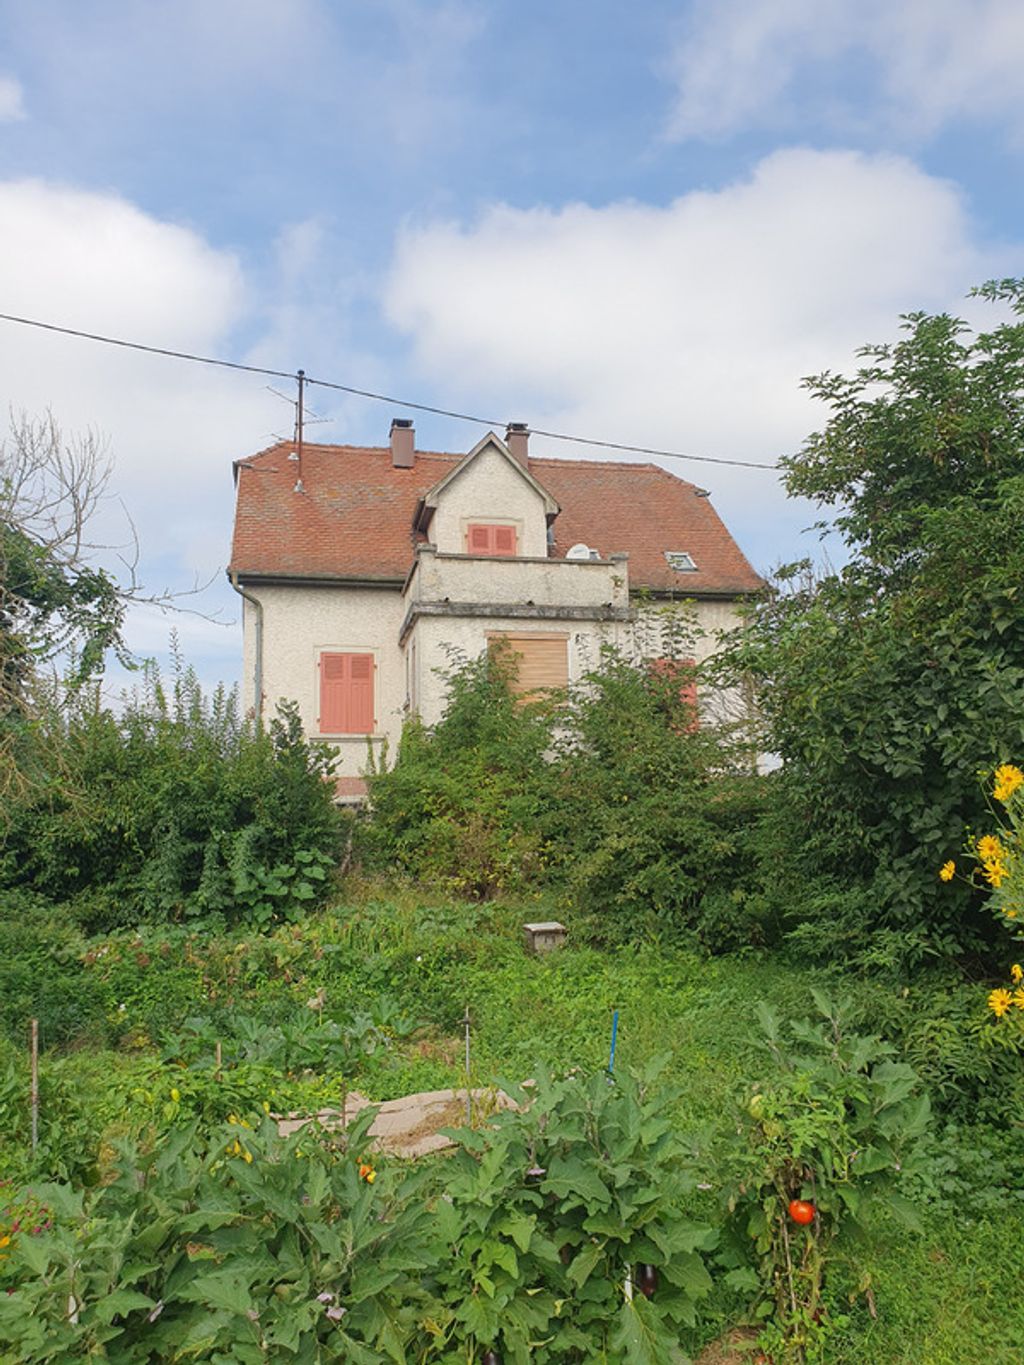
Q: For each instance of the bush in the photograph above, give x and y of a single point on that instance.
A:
(460, 807)
(43, 974)
(175, 808)
(611, 796)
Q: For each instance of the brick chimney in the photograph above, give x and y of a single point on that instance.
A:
(517, 438)
(403, 443)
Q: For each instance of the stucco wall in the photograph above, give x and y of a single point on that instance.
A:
(489, 489)
(299, 623)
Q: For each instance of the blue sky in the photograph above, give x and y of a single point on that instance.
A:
(641, 223)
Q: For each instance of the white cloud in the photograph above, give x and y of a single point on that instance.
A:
(12, 100)
(97, 263)
(687, 327)
(905, 68)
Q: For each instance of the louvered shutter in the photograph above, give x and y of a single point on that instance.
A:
(504, 540)
(541, 663)
(491, 540)
(687, 683)
(346, 694)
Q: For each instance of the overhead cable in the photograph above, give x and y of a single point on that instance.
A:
(377, 397)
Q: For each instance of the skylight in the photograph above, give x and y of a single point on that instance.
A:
(680, 561)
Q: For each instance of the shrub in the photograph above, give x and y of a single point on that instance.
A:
(461, 805)
(176, 807)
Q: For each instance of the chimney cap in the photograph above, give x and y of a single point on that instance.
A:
(518, 426)
(402, 422)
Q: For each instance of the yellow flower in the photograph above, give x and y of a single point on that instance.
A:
(990, 850)
(1018, 998)
(248, 1157)
(999, 1002)
(1010, 914)
(947, 870)
(994, 873)
(1007, 779)
(1016, 974)
(5, 1241)
(175, 1094)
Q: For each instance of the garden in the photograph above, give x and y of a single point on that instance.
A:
(766, 1102)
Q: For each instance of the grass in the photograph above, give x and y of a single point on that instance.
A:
(948, 1295)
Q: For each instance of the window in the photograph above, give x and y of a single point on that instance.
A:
(681, 671)
(680, 561)
(495, 541)
(541, 662)
(346, 694)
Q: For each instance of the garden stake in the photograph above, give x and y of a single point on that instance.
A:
(217, 1055)
(611, 1055)
(34, 1097)
(469, 1098)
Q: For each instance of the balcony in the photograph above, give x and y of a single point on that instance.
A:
(528, 589)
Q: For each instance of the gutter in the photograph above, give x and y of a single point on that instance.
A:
(258, 669)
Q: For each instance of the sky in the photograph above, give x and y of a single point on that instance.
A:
(640, 223)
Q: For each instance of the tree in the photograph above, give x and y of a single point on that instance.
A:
(58, 605)
(887, 686)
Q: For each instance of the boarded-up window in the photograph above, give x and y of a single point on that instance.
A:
(346, 694)
(681, 673)
(490, 540)
(541, 662)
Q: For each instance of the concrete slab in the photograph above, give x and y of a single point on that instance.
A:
(407, 1126)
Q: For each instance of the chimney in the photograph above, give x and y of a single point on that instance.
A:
(403, 443)
(517, 438)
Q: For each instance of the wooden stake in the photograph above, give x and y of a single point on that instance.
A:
(469, 1097)
(216, 1074)
(35, 1084)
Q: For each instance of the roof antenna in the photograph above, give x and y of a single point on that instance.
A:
(300, 417)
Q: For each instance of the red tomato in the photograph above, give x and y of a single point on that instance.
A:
(801, 1211)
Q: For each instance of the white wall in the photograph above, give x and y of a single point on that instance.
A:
(490, 489)
(298, 624)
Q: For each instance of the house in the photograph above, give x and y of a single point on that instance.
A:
(364, 569)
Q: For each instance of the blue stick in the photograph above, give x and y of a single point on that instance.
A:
(615, 1030)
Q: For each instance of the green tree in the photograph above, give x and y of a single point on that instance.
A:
(887, 686)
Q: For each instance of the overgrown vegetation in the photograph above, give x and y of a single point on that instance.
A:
(175, 807)
(612, 798)
(887, 686)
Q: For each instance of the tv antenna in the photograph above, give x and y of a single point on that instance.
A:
(301, 421)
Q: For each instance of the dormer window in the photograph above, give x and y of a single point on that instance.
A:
(486, 538)
(680, 561)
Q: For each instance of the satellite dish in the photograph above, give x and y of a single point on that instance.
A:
(579, 551)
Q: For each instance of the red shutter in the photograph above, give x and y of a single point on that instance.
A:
(479, 540)
(687, 688)
(346, 694)
(492, 541)
(504, 540)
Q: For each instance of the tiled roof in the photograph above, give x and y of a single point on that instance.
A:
(354, 518)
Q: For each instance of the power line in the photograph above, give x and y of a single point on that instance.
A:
(376, 397)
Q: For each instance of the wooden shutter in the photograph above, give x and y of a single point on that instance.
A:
(494, 541)
(541, 663)
(346, 694)
(683, 668)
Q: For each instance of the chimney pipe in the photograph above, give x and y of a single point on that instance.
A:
(403, 443)
(517, 438)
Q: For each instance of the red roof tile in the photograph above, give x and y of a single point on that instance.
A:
(354, 518)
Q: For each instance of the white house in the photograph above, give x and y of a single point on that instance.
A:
(362, 569)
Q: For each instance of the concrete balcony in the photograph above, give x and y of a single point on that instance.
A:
(527, 589)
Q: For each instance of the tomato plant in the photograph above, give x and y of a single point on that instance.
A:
(801, 1211)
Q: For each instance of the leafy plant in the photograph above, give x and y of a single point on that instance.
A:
(560, 1205)
(822, 1148)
